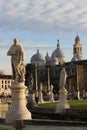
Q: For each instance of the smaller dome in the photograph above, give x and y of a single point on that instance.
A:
(76, 58)
(37, 57)
(58, 52)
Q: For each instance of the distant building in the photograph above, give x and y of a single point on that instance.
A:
(57, 58)
(5, 83)
(76, 69)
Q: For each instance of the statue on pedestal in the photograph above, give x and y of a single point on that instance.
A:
(63, 103)
(40, 90)
(51, 88)
(18, 109)
(40, 95)
(63, 77)
(51, 93)
(31, 96)
(17, 61)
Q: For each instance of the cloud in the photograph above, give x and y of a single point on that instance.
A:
(43, 16)
(1, 39)
(31, 20)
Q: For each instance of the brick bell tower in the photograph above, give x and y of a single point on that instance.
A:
(77, 47)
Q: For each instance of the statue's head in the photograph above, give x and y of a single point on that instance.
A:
(16, 41)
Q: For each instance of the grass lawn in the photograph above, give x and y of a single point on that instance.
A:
(5, 129)
(72, 103)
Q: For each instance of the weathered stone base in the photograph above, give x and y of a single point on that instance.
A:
(31, 100)
(40, 98)
(63, 103)
(51, 97)
(18, 110)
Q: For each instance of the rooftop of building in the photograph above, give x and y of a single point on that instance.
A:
(2, 76)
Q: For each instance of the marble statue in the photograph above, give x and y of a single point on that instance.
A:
(17, 61)
(63, 102)
(18, 109)
(40, 87)
(51, 97)
(51, 88)
(63, 76)
(40, 94)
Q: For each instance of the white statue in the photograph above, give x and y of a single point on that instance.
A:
(63, 76)
(51, 89)
(40, 87)
(17, 61)
(63, 103)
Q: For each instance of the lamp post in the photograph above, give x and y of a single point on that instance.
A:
(48, 80)
(78, 92)
(84, 93)
(36, 82)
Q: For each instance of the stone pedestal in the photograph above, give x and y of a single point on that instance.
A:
(78, 95)
(40, 98)
(31, 100)
(63, 103)
(51, 98)
(18, 110)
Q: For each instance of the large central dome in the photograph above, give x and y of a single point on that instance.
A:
(58, 54)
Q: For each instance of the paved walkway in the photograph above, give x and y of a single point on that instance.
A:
(54, 128)
(39, 124)
(43, 127)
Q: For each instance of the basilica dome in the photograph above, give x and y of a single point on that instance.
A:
(54, 60)
(38, 58)
(58, 55)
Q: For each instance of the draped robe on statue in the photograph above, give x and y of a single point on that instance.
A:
(17, 57)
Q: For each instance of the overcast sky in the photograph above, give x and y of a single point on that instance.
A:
(37, 24)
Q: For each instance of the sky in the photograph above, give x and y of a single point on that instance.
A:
(37, 24)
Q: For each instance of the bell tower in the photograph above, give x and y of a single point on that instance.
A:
(77, 47)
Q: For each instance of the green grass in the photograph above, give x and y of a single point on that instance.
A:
(72, 103)
(48, 105)
(5, 129)
(78, 104)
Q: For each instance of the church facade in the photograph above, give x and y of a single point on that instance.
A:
(48, 69)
